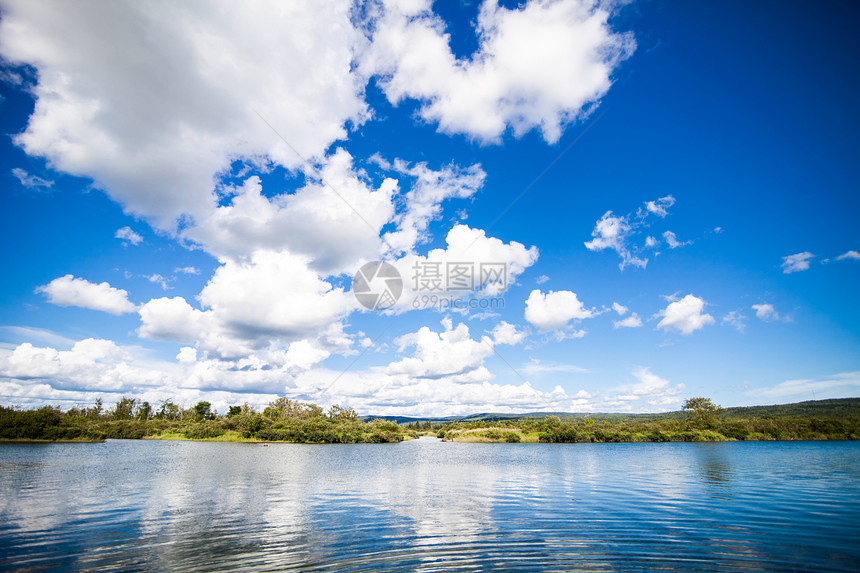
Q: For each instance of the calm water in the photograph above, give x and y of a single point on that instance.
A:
(427, 506)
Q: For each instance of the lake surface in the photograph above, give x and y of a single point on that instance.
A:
(426, 506)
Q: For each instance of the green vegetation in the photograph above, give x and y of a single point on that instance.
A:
(700, 421)
(289, 421)
(283, 420)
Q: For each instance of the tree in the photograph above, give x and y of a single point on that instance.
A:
(168, 410)
(338, 413)
(234, 411)
(96, 410)
(203, 411)
(702, 411)
(123, 409)
(144, 411)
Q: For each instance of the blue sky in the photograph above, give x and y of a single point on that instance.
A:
(671, 187)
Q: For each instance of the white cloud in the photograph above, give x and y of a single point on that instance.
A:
(70, 291)
(128, 235)
(541, 279)
(841, 385)
(92, 364)
(505, 333)
(765, 312)
(172, 102)
(187, 354)
(469, 249)
(796, 263)
(617, 233)
(273, 296)
(159, 280)
(335, 225)
(451, 355)
(335, 219)
(542, 66)
(656, 391)
(685, 315)
(93, 368)
(537, 368)
(632, 321)
(850, 255)
(735, 319)
(768, 313)
(375, 391)
(425, 197)
(611, 232)
(619, 308)
(673, 242)
(32, 182)
(555, 309)
(187, 270)
(660, 206)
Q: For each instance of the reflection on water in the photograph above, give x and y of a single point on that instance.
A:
(715, 468)
(426, 505)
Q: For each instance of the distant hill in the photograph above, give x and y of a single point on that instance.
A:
(839, 408)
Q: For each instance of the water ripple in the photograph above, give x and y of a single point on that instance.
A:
(428, 506)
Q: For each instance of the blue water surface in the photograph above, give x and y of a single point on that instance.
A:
(425, 505)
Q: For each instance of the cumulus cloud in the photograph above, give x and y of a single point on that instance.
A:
(92, 363)
(850, 255)
(452, 355)
(471, 264)
(542, 66)
(796, 263)
(247, 305)
(632, 321)
(127, 235)
(505, 333)
(31, 182)
(685, 315)
(187, 354)
(71, 291)
(334, 224)
(555, 309)
(424, 199)
(154, 133)
(95, 368)
(619, 308)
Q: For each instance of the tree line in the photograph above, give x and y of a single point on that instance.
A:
(702, 421)
(130, 418)
(292, 421)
